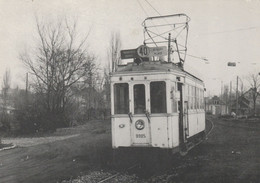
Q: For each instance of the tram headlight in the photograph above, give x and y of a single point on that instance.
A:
(139, 124)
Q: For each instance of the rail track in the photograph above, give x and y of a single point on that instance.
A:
(117, 174)
(110, 178)
(237, 126)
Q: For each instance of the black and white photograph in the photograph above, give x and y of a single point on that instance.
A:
(129, 91)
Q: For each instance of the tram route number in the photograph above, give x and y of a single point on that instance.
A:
(145, 51)
(140, 136)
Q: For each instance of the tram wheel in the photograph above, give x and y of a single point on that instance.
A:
(183, 150)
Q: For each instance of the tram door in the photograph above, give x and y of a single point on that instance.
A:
(140, 125)
(186, 119)
(181, 108)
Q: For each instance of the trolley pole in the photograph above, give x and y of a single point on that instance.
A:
(169, 48)
(237, 98)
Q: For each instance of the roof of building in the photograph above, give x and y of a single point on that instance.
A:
(216, 98)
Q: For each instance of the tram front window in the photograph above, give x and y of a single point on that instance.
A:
(158, 97)
(139, 99)
(121, 98)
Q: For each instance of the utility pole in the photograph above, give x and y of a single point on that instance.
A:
(221, 93)
(26, 87)
(230, 98)
(169, 48)
(237, 98)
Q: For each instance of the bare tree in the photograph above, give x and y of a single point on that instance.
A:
(114, 51)
(114, 60)
(59, 61)
(254, 81)
(5, 88)
(5, 97)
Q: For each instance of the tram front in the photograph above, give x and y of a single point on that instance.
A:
(139, 111)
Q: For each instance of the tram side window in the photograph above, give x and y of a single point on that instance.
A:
(139, 99)
(202, 99)
(197, 97)
(158, 97)
(187, 94)
(173, 100)
(121, 98)
(191, 97)
(194, 97)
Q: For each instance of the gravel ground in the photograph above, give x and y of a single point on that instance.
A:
(231, 154)
(27, 142)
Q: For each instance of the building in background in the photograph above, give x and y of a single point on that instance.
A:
(216, 106)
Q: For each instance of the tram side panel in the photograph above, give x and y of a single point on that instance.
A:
(196, 114)
(121, 136)
(201, 121)
(174, 130)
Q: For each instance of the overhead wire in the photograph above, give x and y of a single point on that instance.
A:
(227, 31)
(142, 8)
(147, 16)
(153, 7)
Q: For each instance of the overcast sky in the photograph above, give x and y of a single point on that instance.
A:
(220, 30)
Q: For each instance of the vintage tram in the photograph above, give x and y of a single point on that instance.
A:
(155, 102)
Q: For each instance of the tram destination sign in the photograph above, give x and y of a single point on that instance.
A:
(144, 51)
(126, 54)
(158, 51)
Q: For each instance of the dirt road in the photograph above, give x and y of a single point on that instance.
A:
(48, 160)
(231, 154)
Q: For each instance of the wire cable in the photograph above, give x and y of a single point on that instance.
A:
(142, 8)
(153, 7)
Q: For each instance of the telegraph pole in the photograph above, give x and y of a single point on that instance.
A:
(169, 48)
(237, 98)
(230, 97)
(26, 87)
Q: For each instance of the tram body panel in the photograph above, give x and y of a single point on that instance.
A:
(193, 123)
(174, 130)
(140, 137)
(121, 133)
(201, 121)
(161, 130)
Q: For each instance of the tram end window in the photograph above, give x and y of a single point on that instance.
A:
(158, 97)
(121, 98)
(139, 99)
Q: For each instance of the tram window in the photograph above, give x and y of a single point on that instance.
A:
(190, 97)
(202, 99)
(121, 98)
(199, 98)
(174, 100)
(139, 99)
(158, 97)
(187, 95)
(196, 98)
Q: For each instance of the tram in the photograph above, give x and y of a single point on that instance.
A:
(155, 103)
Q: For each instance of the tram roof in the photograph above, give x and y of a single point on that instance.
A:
(151, 66)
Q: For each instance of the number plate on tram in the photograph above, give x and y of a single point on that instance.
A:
(140, 136)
